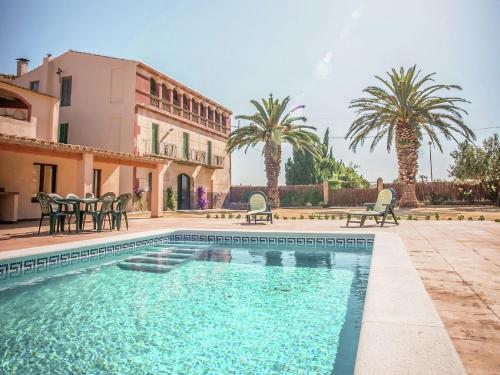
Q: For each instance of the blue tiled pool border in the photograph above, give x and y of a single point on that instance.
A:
(38, 264)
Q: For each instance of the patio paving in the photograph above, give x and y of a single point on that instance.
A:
(458, 262)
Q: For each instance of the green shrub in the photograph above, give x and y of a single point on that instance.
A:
(470, 218)
(450, 218)
(399, 217)
(216, 216)
(230, 216)
(289, 199)
(482, 218)
(301, 217)
(170, 198)
(238, 216)
(294, 218)
(208, 216)
(311, 216)
(326, 217)
(223, 215)
(415, 218)
(410, 217)
(460, 217)
(437, 199)
(341, 217)
(333, 217)
(436, 215)
(276, 215)
(427, 217)
(497, 220)
(285, 217)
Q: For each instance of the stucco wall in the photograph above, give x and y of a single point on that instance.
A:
(215, 180)
(101, 113)
(16, 175)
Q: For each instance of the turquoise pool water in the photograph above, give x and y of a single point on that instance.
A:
(219, 310)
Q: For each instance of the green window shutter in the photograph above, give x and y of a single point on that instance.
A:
(63, 133)
(154, 141)
(185, 145)
(209, 153)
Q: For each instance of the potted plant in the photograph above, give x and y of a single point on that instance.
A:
(202, 197)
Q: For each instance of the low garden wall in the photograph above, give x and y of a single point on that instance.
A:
(427, 192)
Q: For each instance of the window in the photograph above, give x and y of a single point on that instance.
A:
(202, 111)
(43, 179)
(185, 102)
(154, 139)
(35, 86)
(210, 114)
(63, 133)
(66, 91)
(185, 146)
(96, 182)
(209, 153)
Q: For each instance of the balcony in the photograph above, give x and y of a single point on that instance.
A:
(218, 161)
(194, 156)
(198, 156)
(168, 150)
(186, 115)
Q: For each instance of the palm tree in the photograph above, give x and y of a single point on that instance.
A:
(403, 110)
(272, 124)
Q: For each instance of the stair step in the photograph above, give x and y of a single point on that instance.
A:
(155, 260)
(178, 256)
(144, 267)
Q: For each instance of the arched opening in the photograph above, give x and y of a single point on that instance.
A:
(185, 102)
(153, 91)
(210, 114)
(202, 110)
(14, 106)
(194, 106)
(164, 92)
(183, 192)
(217, 117)
(175, 97)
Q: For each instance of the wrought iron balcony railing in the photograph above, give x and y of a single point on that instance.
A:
(160, 148)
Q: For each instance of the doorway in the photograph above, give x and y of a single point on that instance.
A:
(183, 192)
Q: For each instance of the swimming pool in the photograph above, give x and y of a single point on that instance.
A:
(184, 306)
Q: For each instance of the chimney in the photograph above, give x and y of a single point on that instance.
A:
(47, 58)
(22, 66)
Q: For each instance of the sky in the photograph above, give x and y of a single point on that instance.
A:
(320, 53)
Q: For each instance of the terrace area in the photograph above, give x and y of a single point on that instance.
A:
(458, 262)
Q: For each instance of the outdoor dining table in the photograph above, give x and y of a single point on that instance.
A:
(76, 202)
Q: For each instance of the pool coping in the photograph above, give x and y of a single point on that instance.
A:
(401, 331)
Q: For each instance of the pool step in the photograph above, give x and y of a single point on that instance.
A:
(144, 267)
(155, 260)
(158, 262)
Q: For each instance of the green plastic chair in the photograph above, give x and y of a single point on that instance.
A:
(258, 208)
(99, 216)
(385, 205)
(121, 210)
(52, 209)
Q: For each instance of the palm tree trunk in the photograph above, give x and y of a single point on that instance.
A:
(273, 163)
(407, 145)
